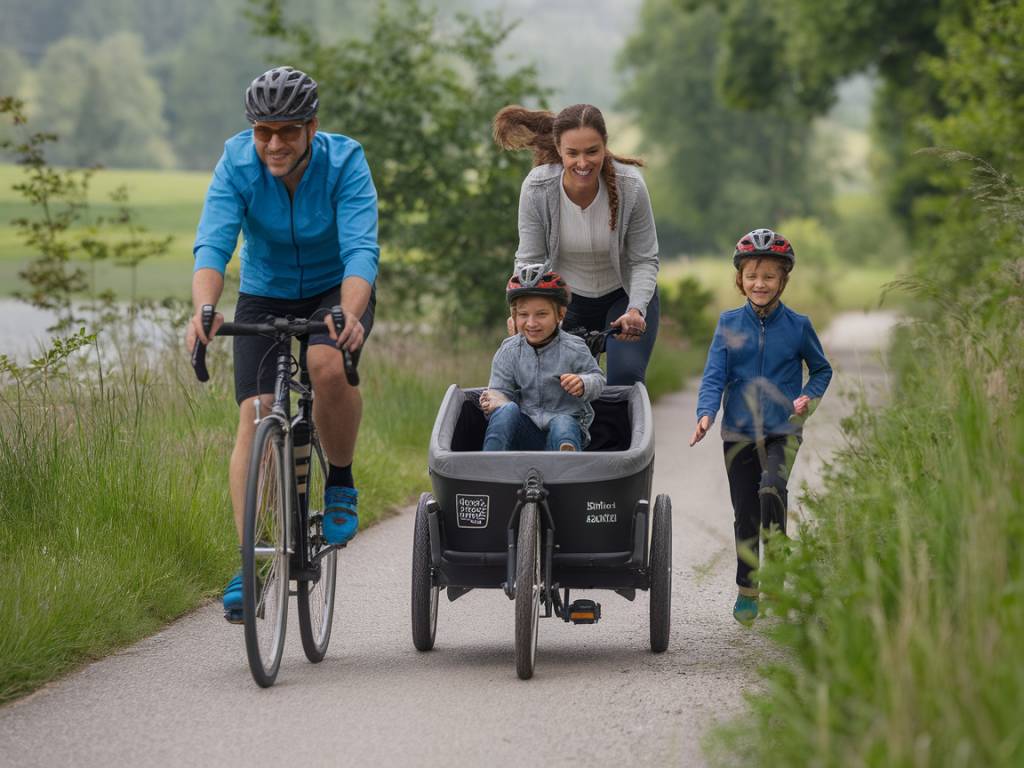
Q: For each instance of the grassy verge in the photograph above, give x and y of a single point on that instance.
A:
(675, 360)
(903, 602)
(114, 513)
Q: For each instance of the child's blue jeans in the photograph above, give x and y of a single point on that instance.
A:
(509, 429)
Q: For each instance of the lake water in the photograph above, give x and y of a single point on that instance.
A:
(23, 330)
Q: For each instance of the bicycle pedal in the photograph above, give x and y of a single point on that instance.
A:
(584, 612)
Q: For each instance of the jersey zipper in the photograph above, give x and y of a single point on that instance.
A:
(763, 345)
(295, 244)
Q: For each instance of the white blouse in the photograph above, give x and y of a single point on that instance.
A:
(583, 244)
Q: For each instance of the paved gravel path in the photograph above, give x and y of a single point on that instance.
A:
(599, 697)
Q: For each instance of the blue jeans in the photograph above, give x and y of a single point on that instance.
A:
(509, 429)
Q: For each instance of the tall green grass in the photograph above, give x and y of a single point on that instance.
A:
(902, 603)
(114, 510)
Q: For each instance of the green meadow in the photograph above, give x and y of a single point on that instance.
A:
(166, 203)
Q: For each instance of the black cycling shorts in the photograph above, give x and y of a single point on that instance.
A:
(255, 361)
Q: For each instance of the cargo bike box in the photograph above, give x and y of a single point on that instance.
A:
(538, 524)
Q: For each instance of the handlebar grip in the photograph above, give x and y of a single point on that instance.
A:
(350, 367)
(199, 350)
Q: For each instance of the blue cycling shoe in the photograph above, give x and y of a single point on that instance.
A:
(341, 516)
(233, 600)
(745, 610)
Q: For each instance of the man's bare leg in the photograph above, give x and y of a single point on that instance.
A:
(337, 406)
(241, 454)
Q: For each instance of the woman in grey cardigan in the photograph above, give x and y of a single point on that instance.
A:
(586, 214)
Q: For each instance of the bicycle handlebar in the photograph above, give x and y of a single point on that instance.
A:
(596, 340)
(279, 326)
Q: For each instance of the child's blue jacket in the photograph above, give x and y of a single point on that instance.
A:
(754, 370)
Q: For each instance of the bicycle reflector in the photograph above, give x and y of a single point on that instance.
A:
(584, 612)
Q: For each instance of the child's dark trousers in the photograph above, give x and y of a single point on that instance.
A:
(758, 475)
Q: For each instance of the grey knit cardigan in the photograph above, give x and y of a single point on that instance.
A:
(633, 253)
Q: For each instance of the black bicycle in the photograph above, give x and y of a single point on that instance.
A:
(282, 537)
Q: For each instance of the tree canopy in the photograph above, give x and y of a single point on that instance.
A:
(951, 75)
(717, 169)
(420, 99)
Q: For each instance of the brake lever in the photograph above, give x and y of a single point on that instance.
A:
(350, 367)
(199, 350)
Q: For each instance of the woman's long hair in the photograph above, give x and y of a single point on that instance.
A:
(540, 131)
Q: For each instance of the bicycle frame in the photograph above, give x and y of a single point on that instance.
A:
(304, 561)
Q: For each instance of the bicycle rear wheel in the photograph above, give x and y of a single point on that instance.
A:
(316, 597)
(265, 554)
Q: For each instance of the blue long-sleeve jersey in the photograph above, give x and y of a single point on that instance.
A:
(297, 247)
(755, 371)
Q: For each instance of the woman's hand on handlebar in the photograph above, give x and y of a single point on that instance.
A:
(195, 331)
(352, 335)
(631, 325)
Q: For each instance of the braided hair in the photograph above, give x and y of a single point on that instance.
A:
(540, 131)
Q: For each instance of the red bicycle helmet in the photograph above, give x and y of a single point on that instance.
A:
(764, 242)
(536, 280)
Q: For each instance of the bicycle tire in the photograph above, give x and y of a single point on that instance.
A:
(425, 594)
(528, 586)
(265, 554)
(315, 599)
(660, 571)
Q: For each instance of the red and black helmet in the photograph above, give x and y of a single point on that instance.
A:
(537, 280)
(762, 243)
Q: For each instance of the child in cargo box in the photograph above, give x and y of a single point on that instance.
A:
(542, 378)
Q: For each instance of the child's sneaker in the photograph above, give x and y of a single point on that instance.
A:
(233, 600)
(745, 610)
(341, 518)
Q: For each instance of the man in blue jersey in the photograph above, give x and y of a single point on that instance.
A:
(306, 206)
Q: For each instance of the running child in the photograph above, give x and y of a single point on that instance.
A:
(754, 371)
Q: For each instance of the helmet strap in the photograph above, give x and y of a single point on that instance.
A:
(302, 158)
(767, 309)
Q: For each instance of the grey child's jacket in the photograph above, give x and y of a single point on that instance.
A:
(526, 375)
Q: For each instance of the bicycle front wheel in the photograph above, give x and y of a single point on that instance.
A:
(265, 554)
(316, 596)
(528, 586)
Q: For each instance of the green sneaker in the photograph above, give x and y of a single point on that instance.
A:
(745, 610)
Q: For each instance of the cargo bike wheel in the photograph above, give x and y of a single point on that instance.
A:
(528, 588)
(660, 571)
(265, 553)
(315, 597)
(425, 592)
